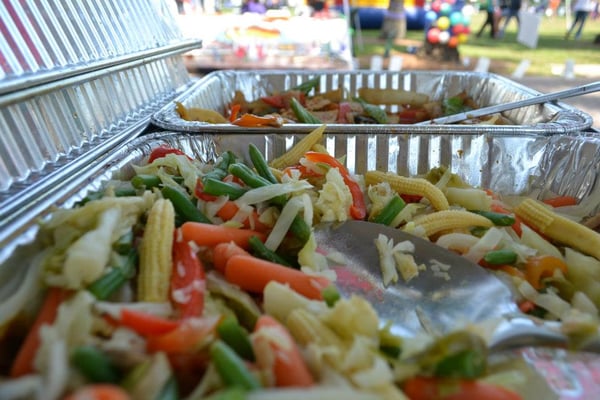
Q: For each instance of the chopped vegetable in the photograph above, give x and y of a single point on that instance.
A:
(231, 367)
(253, 274)
(188, 280)
(211, 235)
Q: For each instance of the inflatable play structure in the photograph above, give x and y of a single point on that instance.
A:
(371, 13)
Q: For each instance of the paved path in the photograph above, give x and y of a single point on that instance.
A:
(589, 103)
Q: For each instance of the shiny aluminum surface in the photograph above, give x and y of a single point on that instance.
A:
(216, 90)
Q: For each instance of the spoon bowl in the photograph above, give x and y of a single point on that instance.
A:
(433, 302)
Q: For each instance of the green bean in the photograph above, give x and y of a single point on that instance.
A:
(261, 251)
(108, 283)
(468, 364)
(302, 113)
(125, 243)
(331, 295)
(221, 168)
(183, 205)
(499, 219)
(306, 87)
(390, 211)
(220, 188)
(94, 364)
(248, 176)
(373, 111)
(231, 367)
(500, 257)
(169, 391)
(260, 164)
(233, 334)
(145, 181)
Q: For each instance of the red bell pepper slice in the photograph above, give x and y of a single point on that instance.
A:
(199, 192)
(162, 151)
(235, 110)
(358, 209)
(344, 109)
(188, 280)
(276, 101)
(189, 334)
(253, 121)
(145, 324)
(432, 388)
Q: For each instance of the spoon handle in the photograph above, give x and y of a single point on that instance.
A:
(544, 98)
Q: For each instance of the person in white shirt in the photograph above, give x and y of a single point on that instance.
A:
(582, 9)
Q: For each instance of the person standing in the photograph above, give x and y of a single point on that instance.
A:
(491, 19)
(582, 9)
(512, 11)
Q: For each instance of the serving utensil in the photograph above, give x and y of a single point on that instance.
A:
(544, 98)
(429, 302)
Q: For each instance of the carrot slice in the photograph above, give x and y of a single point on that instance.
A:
(288, 366)
(211, 235)
(23, 363)
(223, 252)
(253, 274)
(229, 210)
(99, 391)
(561, 201)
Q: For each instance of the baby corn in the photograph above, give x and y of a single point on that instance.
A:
(447, 220)
(558, 228)
(155, 253)
(293, 155)
(414, 186)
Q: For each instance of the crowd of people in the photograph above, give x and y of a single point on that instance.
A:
(499, 14)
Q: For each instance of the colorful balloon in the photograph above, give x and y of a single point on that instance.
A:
(433, 35)
(462, 38)
(443, 23)
(453, 42)
(443, 37)
(445, 8)
(430, 16)
(458, 28)
(436, 5)
(456, 17)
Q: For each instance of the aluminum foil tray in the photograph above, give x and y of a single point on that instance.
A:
(216, 90)
(43, 41)
(533, 165)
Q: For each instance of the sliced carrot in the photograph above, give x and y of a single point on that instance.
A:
(211, 235)
(539, 267)
(253, 274)
(228, 211)
(99, 391)
(23, 363)
(288, 366)
(561, 201)
(223, 252)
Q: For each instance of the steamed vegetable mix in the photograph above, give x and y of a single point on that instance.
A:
(207, 282)
(306, 104)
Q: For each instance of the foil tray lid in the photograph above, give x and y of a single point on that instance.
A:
(78, 79)
(216, 90)
(44, 41)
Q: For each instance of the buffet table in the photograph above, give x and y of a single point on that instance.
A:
(252, 41)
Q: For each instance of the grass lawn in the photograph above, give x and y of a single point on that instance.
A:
(552, 48)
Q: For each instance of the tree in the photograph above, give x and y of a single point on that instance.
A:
(394, 21)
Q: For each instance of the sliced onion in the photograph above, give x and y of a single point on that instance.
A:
(282, 226)
(488, 242)
(264, 193)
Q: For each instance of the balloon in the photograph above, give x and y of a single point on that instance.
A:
(456, 18)
(445, 8)
(462, 37)
(458, 28)
(430, 16)
(466, 20)
(444, 36)
(453, 42)
(436, 5)
(443, 23)
(433, 35)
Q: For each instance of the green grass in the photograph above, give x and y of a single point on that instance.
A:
(507, 53)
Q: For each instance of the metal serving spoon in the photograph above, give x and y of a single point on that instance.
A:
(544, 98)
(430, 302)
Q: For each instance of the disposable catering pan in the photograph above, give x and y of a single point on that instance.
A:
(533, 165)
(216, 90)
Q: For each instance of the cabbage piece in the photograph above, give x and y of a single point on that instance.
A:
(584, 272)
(173, 164)
(353, 316)
(334, 199)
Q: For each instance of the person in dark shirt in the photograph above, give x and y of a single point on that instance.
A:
(512, 11)
(491, 20)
